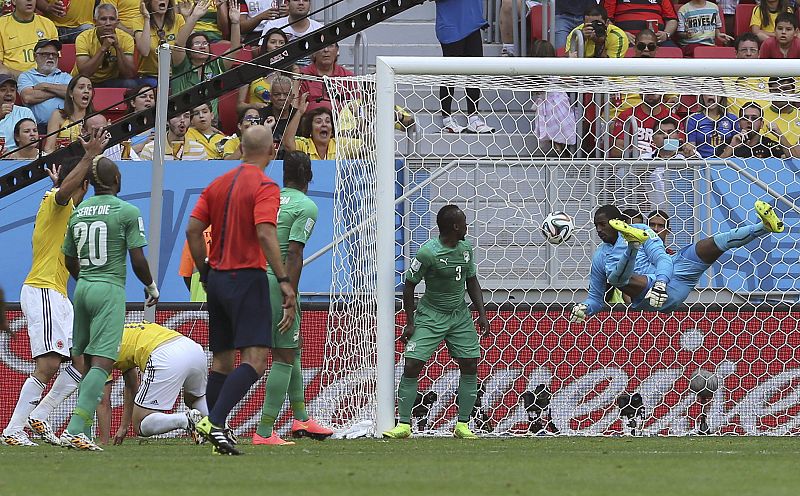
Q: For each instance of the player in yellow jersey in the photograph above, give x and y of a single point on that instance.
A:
(167, 361)
(46, 307)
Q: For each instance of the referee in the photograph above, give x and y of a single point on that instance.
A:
(242, 208)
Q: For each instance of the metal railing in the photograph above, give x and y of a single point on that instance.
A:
(360, 60)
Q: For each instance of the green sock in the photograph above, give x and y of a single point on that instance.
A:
(274, 396)
(406, 397)
(297, 393)
(467, 392)
(91, 391)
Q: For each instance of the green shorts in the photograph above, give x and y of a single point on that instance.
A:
(432, 326)
(291, 338)
(99, 319)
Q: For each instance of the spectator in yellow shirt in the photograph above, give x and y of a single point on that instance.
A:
(316, 135)
(105, 54)
(762, 22)
(782, 118)
(19, 33)
(70, 17)
(232, 149)
(600, 37)
(202, 131)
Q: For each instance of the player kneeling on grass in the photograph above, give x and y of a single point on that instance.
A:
(448, 267)
(619, 261)
(167, 361)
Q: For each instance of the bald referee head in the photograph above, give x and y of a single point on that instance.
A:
(257, 146)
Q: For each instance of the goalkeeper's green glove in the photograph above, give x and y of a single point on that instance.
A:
(657, 295)
(578, 313)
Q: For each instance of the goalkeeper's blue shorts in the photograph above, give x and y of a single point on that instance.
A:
(686, 271)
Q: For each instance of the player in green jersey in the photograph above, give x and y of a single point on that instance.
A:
(101, 230)
(448, 267)
(296, 220)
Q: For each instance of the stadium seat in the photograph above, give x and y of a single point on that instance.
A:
(662, 53)
(111, 101)
(220, 47)
(535, 22)
(714, 52)
(743, 14)
(67, 60)
(227, 112)
(561, 52)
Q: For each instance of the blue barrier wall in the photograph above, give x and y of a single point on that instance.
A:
(183, 183)
(770, 267)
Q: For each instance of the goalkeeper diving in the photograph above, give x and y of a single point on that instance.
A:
(633, 259)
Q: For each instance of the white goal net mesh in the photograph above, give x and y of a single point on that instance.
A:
(700, 150)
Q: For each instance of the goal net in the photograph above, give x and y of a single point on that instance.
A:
(698, 147)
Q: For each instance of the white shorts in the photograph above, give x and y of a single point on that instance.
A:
(49, 315)
(172, 365)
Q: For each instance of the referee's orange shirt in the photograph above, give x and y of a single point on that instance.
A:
(234, 204)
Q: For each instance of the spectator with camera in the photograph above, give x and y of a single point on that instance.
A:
(600, 37)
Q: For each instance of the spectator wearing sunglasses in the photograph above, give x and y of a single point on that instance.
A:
(232, 149)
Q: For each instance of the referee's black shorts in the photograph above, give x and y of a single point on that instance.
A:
(239, 314)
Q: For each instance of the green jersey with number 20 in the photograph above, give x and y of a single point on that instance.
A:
(101, 230)
(445, 271)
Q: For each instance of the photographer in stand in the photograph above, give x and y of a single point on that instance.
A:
(600, 37)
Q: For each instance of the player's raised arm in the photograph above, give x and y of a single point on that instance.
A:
(93, 147)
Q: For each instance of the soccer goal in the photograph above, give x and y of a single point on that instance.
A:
(693, 147)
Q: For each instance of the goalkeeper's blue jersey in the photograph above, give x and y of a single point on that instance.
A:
(652, 259)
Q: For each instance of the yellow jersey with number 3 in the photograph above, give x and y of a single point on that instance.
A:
(139, 340)
(19, 38)
(48, 269)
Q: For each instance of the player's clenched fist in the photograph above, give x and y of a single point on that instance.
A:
(657, 295)
(578, 313)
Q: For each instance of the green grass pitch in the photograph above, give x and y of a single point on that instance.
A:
(539, 466)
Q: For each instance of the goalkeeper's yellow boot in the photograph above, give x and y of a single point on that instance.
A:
(462, 431)
(768, 216)
(630, 233)
(400, 431)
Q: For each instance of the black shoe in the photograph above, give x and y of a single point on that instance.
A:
(217, 437)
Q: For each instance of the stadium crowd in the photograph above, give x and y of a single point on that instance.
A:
(78, 53)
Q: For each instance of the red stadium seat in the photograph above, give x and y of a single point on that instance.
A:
(714, 52)
(661, 53)
(743, 15)
(561, 52)
(111, 102)
(67, 60)
(221, 47)
(227, 112)
(535, 22)
(669, 53)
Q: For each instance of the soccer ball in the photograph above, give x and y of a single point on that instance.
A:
(703, 383)
(558, 227)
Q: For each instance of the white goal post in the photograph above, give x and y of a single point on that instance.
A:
(687, 74)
